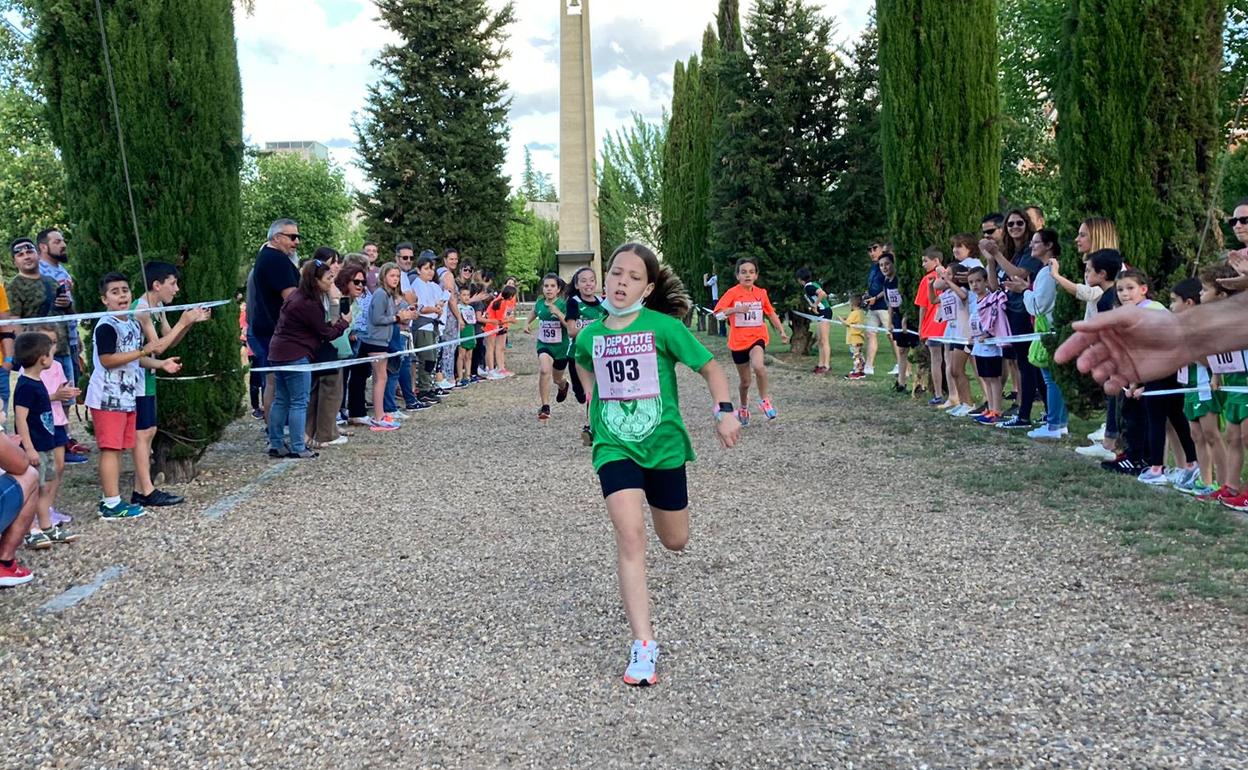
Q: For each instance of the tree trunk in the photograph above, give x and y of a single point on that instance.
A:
(177, 470)
(802, 338)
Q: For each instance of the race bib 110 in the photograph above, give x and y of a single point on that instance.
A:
(1227, 363)
(626, 366)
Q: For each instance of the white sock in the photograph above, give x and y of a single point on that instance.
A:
(112, 501)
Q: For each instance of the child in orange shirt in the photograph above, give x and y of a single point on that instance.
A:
(745, 306)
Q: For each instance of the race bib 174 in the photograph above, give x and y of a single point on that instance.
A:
(751, 314)
(626, 366)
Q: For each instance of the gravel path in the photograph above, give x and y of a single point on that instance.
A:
(396, 604)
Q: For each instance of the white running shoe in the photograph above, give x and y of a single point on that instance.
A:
(641, 663)
(1096, 452)
(894, 371)
(337, 442)
(444, 384)
(495, 375)
(396, 415)
(1097, 435)
(869, 370)
(1045, 432)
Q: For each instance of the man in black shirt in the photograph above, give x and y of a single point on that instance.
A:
(273, 278)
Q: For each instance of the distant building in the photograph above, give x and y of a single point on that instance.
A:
(305, 150)
(547, 210)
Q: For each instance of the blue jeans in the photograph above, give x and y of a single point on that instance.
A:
(4, 388)
(1057, 417)
(290, 407)
(404, 376)
(67, 366)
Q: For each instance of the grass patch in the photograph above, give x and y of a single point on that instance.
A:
(1193, 549)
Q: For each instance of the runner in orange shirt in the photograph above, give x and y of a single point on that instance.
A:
(745, 306)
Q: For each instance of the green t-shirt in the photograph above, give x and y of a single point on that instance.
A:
(552, 337)
(149, 375)
(640, 358)
(812, 289)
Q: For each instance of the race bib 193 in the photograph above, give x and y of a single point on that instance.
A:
(1227, 363)
(751, 314)
(550, 332)
(626, 366)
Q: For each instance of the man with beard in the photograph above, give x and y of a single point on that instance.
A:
(53, 254)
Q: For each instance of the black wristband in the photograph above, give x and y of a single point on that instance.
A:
(726, 407)
(7, 336)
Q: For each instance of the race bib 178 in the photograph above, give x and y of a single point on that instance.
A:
(626, 366)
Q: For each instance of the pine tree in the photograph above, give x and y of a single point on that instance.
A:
(940, 134)
(1138, 128)
(433, 134)
(180, 102)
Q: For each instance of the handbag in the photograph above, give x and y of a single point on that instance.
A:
(1038, 354)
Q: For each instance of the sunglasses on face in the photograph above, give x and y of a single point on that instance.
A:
(1232, 221)
(23, 249)
(357, 282)
(1015, 224)
(990, 231)
(292, 236)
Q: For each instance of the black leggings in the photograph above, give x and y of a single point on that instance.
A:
(578, 389)
(255, 384)
(357, 385)
(1030, 385)
(1160, 409)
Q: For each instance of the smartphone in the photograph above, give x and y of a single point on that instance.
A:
(344, 305)
(61, 291)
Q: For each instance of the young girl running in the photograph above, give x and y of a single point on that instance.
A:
(745, 306)
(1200, 408)
(820, 305)
(584, 307)
(552, 342)
(640, 442)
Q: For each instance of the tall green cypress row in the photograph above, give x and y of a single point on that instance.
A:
(433, 135)
(703, 99)
(180, 98)
(940, 136)
(673, 208)
(1138, 130)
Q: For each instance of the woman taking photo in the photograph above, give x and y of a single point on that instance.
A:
(327, 386)
(301, 330)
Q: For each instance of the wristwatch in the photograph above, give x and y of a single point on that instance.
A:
(724, 407)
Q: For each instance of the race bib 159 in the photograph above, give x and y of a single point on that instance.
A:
(626, 366)
(550, 332)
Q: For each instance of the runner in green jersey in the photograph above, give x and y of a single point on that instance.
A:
(550, 311)
(628, 361)
(584, 307)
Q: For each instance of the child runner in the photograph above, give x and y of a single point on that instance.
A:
(552, 342)
(1133, 289)
(467, 337)
(119, 357)
(1200, 408)
(640, 442)
(32, 408)
(584, 307)
(161, 280)
(745, 306)
(984, 307)
(820, 305)
(1228, 369)
(854, 337)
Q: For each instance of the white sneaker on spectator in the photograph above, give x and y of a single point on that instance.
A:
(893, 372)
(494, 375)
(1096, 451)
(1045, 432)
(444, 384)
(1097, 435)
(869, 370)
(396, 415)
(337, 442)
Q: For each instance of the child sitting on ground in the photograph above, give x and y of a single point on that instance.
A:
(119, 356)
(32, 407)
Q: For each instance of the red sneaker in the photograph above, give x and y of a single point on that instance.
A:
(77, 448)
(15, 575)
(1217, 495)
(1237, 502)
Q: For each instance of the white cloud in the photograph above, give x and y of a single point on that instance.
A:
(305, 71)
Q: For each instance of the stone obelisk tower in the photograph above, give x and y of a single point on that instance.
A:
(578, 187)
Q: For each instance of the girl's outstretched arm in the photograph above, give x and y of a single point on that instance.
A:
(776, 322)
(727, 426)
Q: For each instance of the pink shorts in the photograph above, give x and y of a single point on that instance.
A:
(113, 430)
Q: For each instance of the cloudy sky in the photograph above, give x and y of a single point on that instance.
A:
(306, 64)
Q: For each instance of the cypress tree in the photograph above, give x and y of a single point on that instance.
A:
(180, 102)
(1138, 124)
(940, 138)
(673, 212)
(433, 135)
